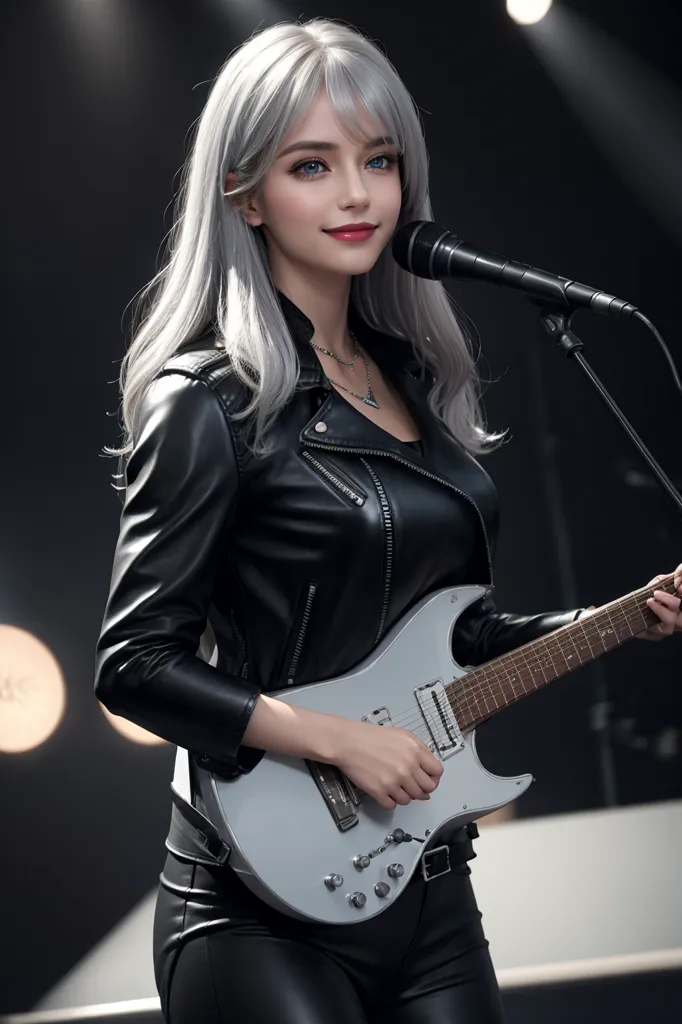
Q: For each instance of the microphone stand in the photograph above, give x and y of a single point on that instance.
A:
(557, 324)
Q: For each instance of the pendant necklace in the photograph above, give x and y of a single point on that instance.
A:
(369, 398)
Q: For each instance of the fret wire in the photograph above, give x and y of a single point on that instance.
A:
(600, 630)
(514, 677)
(466, 697)
(522, 652)
(531, 647)
(549, 654)
(476, 685)
(587, 637)
(510, 678)
(614, 627)
(543, 643)
(626, 612)
(469, 683)
(622, 621)
(490, 689)
(481, 684)
(466, 686)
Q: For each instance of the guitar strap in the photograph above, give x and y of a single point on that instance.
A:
(192, 834)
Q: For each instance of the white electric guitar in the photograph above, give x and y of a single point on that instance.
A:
(310, 844)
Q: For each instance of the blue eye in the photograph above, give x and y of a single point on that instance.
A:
(300, 169)
(308, 163)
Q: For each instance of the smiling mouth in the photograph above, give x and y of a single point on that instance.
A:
(355, 235)
(350, 228)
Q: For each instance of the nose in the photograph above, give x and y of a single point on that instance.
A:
(353, 189)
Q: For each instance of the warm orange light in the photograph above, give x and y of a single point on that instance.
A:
(32, 691)
(132, 732)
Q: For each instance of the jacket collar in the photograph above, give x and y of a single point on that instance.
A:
(384, 350)
(336, 425)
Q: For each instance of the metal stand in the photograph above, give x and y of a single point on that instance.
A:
(557, 324)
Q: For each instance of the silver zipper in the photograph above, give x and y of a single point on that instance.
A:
(388, 534)
(424, 472)
(312, 588)
(333, 478)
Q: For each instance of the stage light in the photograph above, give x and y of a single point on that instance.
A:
(32, 691)
(528, 12)
(130, 731)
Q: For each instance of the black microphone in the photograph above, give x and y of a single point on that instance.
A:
(427, 250)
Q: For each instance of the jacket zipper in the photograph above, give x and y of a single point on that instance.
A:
(334, 478)
(424, 472)
(312, 589)
(388, 535)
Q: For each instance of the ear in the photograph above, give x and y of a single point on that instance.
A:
(248, 208)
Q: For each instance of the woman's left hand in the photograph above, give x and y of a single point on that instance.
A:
(668, 609)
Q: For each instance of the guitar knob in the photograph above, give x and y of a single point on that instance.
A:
(382, 889)
(333, 881)
(357, 899)
(362, 861)
(395, 870)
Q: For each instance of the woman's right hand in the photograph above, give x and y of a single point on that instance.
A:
(389, 764)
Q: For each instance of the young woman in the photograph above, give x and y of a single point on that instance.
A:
(302, 426)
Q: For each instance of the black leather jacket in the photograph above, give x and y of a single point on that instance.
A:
(301, 561)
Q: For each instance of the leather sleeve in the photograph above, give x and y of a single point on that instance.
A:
(182, 481)
(482, 632)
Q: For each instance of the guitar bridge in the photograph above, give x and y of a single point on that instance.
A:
(439, 719)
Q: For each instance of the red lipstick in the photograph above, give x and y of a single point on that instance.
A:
(352, 232)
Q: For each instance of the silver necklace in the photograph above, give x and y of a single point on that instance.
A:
(345, 362)
(369, 398)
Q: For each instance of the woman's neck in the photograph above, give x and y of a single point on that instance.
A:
(327, 310)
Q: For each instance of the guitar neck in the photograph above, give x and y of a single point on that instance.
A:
(489, 688)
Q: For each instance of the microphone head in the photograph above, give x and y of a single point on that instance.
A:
(415, 248)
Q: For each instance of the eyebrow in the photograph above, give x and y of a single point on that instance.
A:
(381, 140)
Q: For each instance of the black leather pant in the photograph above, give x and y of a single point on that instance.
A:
(222, 955)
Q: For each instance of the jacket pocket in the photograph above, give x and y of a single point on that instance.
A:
(336, 478)
(293, 655)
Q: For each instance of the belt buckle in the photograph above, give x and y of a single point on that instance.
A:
(435, 863)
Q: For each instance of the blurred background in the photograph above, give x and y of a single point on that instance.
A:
(557, 142)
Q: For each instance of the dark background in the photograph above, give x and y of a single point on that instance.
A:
(97, 101)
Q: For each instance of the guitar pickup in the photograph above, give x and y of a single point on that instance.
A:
(439, 719)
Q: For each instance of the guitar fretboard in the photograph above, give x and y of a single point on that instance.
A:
(487, 689)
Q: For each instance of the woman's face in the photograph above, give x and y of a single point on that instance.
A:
(312, 189)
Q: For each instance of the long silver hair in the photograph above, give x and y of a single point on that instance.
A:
(216, 267)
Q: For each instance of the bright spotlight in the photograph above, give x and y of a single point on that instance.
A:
(528, 12)
(32, 691)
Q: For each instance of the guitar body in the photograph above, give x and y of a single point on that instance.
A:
(286, 844)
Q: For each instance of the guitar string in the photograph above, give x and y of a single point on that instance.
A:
(592, 628)
(467, 697)
(512, 671)
(474, 695)
(468, 693)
